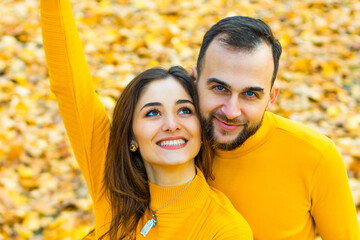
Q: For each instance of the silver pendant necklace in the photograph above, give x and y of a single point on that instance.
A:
(152, 222)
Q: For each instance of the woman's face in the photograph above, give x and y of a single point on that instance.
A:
(165, 124)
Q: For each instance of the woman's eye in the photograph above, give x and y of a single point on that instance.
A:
(152, 113)
(185, 110)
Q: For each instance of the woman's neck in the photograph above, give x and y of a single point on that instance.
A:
(169, 176)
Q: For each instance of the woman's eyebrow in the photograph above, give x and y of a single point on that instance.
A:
(151, 104)
(180, 101)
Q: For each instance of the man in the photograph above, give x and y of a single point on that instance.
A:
(285, 178)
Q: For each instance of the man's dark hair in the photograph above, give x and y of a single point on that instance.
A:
(243, 33)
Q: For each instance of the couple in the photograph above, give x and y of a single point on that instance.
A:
(148, 176)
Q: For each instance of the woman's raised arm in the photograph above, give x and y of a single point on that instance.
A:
(86, 121)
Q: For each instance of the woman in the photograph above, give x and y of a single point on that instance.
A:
(154, 181)
(143, 172)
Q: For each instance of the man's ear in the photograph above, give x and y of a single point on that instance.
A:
(193, 73)
(273, 95)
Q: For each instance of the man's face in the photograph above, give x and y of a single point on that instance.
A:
(235, 90)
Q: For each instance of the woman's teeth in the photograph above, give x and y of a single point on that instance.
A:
(172, 142)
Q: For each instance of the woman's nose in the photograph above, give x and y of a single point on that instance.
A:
(171, 124)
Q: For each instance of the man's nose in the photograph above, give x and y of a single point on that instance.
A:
(232, 108)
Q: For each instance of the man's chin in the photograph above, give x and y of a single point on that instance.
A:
(231, 142)
(222, 141)
(226, 144)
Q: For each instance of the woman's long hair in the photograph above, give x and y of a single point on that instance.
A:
(125, 179)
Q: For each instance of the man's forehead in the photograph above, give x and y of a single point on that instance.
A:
(222, 42)
(238, 69)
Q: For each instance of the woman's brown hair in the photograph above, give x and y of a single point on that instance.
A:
(125, 179)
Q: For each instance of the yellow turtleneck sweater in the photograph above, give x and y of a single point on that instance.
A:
(200, 212)
(287, 180)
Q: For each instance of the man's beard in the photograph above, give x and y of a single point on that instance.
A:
(238, 141)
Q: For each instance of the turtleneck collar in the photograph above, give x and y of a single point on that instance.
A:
(260, 137)
(195, 193)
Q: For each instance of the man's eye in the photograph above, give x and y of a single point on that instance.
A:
(152, 113)
(250, 94)
(219, 88)
(185, 110)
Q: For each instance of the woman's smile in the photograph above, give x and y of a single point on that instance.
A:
(172, 143)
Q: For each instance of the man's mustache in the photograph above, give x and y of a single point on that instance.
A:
(223, 118)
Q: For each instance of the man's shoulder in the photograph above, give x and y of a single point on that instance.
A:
(221, 205)
(222, 208)
(299, 131)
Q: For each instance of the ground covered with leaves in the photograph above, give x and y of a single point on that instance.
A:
(42, 192)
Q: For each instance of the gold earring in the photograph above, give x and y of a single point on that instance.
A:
(133, 146)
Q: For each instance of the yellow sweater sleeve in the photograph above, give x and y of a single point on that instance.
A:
(85, 119)
(332, 204)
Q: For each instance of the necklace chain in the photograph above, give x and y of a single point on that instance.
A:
(153, 213)
(152, 222)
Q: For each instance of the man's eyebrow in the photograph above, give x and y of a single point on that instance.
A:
(226, 85)
(253, 89)
(218, 81)
(151, 104)
(180, 101)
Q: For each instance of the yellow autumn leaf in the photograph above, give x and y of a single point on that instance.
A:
(285, 39)
(24, 233)
(17, 197)
(25, 172)
(353, 123)
(319, 76)
(333, 111)
(15, 151)
(303, 64)
(329, 69)
(32, 221)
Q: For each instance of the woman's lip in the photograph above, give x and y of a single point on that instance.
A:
(173, 147)
(225, 126)
(171, 138)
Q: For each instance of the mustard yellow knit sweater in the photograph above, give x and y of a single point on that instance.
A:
(287, 180)
(200, 212)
